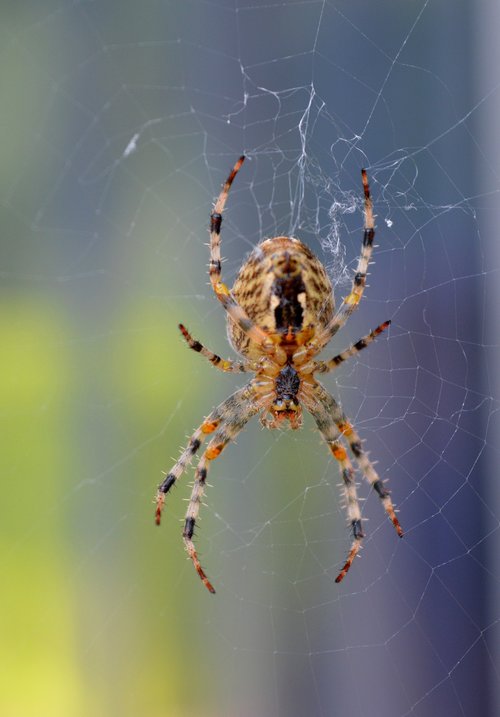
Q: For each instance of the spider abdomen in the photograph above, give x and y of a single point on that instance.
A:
(284, 289)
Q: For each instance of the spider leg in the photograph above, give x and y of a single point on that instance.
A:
(239, 415)
(209, 425)
(331, 434)
(368, 470)
(366, 466)
(325, 366)
(217, 361)
(237, 314)
(351, 301)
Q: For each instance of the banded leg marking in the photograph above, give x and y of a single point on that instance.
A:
(359, 281)
(330, 432)
(366, 466)
(216, 223)
(352, 504)
(226, 433)
(209, 425)
(325, 366)
(326, 412)
(191, 516)
(368, 470)
(172, 477)
(352, 300)
(237, 314)
(222, 364)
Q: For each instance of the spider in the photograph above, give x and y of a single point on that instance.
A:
(280, 315)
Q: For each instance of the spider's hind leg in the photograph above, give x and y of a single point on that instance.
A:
(222, 292)
(351, 301)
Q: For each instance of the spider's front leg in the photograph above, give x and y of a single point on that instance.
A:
(352, 437)
(209, 425)
(234, 422)
(333, 424)
(368, 470)
(331, 434)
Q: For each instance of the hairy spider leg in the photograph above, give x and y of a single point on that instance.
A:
(209, 425)
(331, 434)
(234, 423)
(222, 364)
(235, 311)
(366, 466)
(331, 364)
(351, 301)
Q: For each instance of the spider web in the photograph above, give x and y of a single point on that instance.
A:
(121, 121)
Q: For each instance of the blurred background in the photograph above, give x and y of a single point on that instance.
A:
(119, 122)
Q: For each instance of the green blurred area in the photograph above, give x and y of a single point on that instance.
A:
(60, 591)
(38, 641)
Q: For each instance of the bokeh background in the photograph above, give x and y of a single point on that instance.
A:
(119, 122)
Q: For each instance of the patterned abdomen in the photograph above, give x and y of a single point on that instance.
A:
(285, 290)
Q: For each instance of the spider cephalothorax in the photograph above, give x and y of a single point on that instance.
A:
(285, 409)
(281, 314)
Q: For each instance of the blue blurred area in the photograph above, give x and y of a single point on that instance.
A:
(120, 122)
